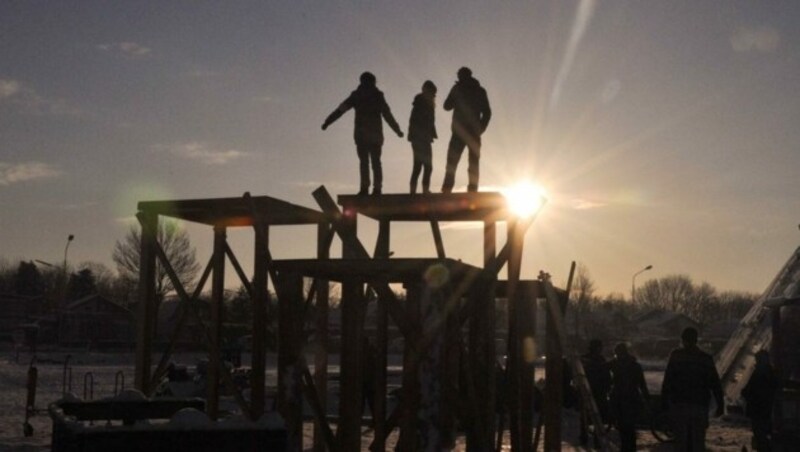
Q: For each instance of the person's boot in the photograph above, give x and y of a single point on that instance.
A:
(413, 190)
(363, 192)
(376, 191)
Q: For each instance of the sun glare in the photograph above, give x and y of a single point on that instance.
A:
(525, 198)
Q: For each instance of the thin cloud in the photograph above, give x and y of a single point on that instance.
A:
(28, 100)
(128, 49)
(584, 204)
(12, 173)
(202, 153)
(760, 39)
(8, 88)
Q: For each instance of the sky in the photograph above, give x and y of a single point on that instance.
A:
(664, 133)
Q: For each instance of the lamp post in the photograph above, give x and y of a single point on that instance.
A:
(633, 281)
(70, 238)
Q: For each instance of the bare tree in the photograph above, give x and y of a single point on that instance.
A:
(583, 289)
(175, 243)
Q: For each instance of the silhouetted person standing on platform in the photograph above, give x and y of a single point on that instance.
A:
(471, 114)
(759, 394)
(371, 109)
(421, 133)
(689, 381)
(628, 395)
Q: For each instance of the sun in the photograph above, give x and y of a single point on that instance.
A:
(525, 198)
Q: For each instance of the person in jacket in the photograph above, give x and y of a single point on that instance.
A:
(689, 382)
(628, 395)
(471, 115)
(759, 395)
(421, 133)
(371, 109)
(597, 373)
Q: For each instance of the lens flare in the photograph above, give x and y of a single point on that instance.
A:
(525, 198)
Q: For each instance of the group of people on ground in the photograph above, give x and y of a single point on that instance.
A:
(471, 114)
(690, 381)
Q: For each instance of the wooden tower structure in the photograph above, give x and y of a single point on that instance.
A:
(446, 317)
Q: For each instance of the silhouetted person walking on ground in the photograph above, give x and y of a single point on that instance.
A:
(421, 133)
(628, 395)
(689, 381)
(759, 394)
(471, 114)
(371, 108)
(597, 373)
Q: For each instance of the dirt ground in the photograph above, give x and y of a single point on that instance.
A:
(723, 435)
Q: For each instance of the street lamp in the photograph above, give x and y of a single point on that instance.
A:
(633, 281)
(70, 238)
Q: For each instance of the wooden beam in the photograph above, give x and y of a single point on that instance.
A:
(437, 239)
(183, 315)
(147, 301)
(352, 245)
(239, 271)
(260, 300)
(181, 291)
(514, 365)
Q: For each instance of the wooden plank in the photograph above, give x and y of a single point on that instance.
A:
(514, 363)
(556, 317)
(217, 294)
(147, 301)
(239, 271)
(409, 431)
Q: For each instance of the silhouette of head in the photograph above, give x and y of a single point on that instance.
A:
(595, 346)
(689, 336)
(429, 88)
(368, 78)
(621, 349)
(464, 73)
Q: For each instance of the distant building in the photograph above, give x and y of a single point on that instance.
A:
(97, 321)
(663, 323)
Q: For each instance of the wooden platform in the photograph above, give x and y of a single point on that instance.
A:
(480, 206)
(232, 212)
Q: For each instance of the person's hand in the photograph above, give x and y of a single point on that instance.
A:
(400, 134)
(324, 126)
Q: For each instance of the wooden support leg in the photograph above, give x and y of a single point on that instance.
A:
(147, 301)
(351, 376)
(409, 431)
(321, 355)
(554, 383)
(217, 291)
(526, 307)
(381, 348)
(290, 337)
(258, 363)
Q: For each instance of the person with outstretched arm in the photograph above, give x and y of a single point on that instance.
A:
(371, 110)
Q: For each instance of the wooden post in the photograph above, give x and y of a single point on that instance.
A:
(147, 301)
(514, 365)
(381, 347)
(258, 362)
(217, 291)
(409, 428)
(321, 356)
(553, 393)
(348, 432)
(290, 337)
(526, 310)
(482, 349)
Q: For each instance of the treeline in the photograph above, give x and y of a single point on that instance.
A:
(701, 302)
